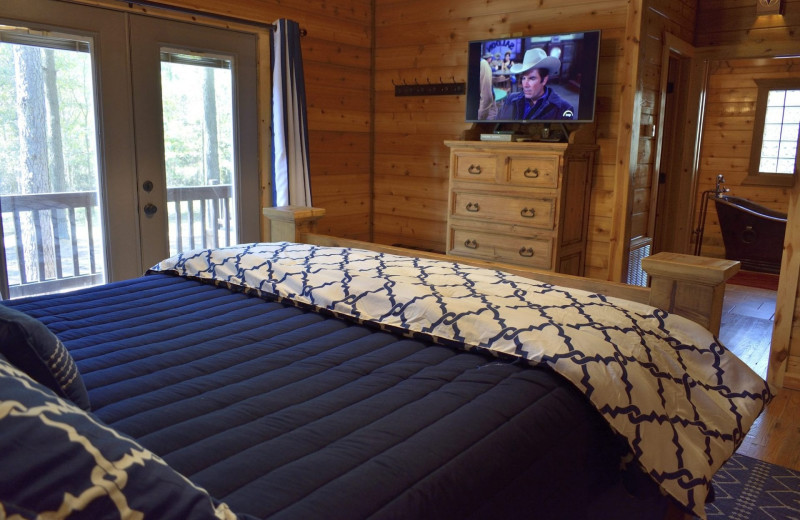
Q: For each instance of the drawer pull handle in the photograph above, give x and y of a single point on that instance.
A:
(526, 252)
(531, 174)
(474, 169)
(528, 213)
(473, 207)
(471, 244)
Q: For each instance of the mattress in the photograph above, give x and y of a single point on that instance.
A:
(282, 412)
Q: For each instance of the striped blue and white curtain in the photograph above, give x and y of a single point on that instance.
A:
(291, 184)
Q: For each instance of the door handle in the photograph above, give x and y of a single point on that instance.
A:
(150, 209)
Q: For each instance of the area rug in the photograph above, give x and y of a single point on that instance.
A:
(755, 279)
(749, 489)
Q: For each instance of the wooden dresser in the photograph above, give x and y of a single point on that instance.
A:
(523, 203)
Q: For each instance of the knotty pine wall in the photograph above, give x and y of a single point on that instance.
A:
(661, 18)
(365, 141)
(738, 47)
(421, 41)
(728, 133)
(734, 41)
(378, 162)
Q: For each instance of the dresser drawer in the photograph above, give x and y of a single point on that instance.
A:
(539, 171)
(534, 211)
(527, 251)
(475, 166)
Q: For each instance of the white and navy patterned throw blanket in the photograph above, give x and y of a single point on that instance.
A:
(682, 400)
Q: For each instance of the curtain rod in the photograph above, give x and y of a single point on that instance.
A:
(196, 12)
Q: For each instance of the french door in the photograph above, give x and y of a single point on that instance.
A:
(138, 141)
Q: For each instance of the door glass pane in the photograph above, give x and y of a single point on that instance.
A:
(51, 222)
(198, 149)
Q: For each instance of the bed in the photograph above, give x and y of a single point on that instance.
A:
(289, 380)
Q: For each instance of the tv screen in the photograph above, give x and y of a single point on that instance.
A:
(543, 78)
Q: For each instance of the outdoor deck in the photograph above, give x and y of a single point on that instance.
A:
(53, 241)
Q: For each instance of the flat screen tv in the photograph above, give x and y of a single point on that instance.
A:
(549, 78)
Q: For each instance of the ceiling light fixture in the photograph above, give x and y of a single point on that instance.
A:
(769, 7)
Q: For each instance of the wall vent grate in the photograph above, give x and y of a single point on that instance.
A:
(637, 275)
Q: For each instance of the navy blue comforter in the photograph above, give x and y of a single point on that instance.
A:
(284, 413)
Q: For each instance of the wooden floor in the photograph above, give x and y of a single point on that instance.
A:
(746, 330)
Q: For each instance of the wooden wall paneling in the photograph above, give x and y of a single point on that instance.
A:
(329, 143)
(627, 143)
(512, 14)
(421, 41)
(401, 168)
(317, 49)
(728, 133)
(660, 19)
(732, 35)
(676, 17)
(736, 22)
(786, 333)
(426, 234)
(413, 188)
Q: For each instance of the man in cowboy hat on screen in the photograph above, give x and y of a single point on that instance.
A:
(536, 100)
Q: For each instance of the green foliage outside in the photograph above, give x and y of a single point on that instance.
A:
(77, 119)
(184, 113)
(183, 128)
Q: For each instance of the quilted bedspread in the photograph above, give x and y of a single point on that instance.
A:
(681, 399)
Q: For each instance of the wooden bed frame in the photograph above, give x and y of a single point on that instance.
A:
(690, 286)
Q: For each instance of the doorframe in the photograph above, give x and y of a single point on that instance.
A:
(150, 34)
(679, 200)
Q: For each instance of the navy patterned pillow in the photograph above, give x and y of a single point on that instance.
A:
(58, 458)
(30, 346)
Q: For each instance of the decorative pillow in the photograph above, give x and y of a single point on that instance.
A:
(30, 346)
(60, 462)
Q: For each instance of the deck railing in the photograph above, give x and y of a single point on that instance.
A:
(200, 216)
(63, 233)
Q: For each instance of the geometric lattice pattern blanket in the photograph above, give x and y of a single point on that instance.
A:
(681, 399)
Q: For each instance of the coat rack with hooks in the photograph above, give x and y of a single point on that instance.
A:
(442, 88)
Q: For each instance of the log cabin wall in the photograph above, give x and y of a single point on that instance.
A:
(732, 38)
(660, 19)
(421, 41)
(392, 156)
(727, 136)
